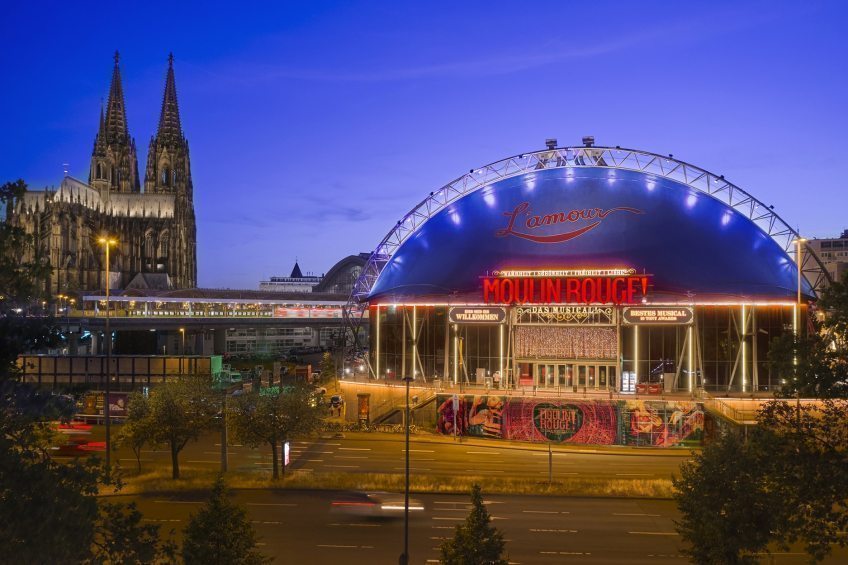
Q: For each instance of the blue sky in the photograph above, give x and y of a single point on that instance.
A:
(315, 126)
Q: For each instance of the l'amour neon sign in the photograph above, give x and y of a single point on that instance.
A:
(629, 289)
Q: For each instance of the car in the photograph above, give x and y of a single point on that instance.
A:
(373, 504)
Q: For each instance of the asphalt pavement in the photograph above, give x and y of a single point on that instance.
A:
(299, 527)
(433, 455)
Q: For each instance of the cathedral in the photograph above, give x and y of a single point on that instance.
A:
(154, 226)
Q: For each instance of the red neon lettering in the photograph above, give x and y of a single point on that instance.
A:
(510, 297)
(491, 290)
(588, 290)
(572, 290)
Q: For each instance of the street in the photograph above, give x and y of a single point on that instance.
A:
(433, 455)
(298, 527)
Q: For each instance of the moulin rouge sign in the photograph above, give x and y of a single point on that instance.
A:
(572, 286)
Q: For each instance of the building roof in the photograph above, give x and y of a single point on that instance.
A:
(579, 208)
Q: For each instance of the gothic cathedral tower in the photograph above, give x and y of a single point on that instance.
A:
(114, 166)
(169, 172)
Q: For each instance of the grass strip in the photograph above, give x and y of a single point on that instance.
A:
(197, 479)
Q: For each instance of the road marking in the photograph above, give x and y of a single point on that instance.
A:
(270, 504)
(345, 546)
(351, 457)
(178, 502)
(442, 527)
(483, 452)
(454, 518)
(261, 522)
(564, 553)
(314, 460)
(560, 473)
(544, 512)
(155, 451)
(133, 460)
(634, 474)
(230, 445)
(544, 531)
(419, 451)
(655, 533)
(343, 466)
(323, 452)
(634, 514)
(452, 502)
(411, 469)
(357, 525)
(208, 462)
(483, 471)
(160, 520)
(354, 449)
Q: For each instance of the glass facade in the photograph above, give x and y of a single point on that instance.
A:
(724, 348)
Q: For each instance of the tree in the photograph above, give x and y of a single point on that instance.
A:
(220, 533)
(179, 411)
(807, 462)
(727, 504)
(476, 541)
(49, 511)
(122, 538)
(815, 364)
(257, 418)
(786, 484)
(137, 430)
(328, 368)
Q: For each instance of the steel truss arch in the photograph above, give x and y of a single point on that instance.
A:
(613, 158)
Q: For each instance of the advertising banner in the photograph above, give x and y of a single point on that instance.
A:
(586, 422)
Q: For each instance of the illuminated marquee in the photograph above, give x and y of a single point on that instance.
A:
(565, 290)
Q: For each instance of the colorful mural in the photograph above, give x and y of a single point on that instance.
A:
(654, 423)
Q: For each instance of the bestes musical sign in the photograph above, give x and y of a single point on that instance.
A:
(629, 289)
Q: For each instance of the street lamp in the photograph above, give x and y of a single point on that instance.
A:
(799, 241)
(404, 558)
(182, 334)
(108, 242)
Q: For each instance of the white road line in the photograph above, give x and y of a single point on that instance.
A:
(314, 460)
(160, 520)
(451, 502)
(356, 525)
(419, 451)
(262, 522)
(654, 533)
(178, 502)
(560, 473)
(351, 457)
(452, 518)
(634, 514)
(442, 527)
(634, 474)
(483, 471)
(483, 452)
(215, 462)
(344, 466)
(564, 553)
(333, 546)
(545, 512)
(230, 445)
(354, 449)
(544, 531)
(134, 460)
(270, 504)
(411, 469)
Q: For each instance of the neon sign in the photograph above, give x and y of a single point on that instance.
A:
(565, 290)
(521, 215)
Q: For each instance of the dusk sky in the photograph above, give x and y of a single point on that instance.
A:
(314, 127)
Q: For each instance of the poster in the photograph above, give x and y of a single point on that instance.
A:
(585, 422)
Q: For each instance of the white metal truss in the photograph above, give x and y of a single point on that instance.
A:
(614, 158)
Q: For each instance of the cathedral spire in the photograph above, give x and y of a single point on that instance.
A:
(116, 116)
(114, 167)
(170, 129)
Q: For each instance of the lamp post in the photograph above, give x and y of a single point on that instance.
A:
(404, 557)
(182, 335)
(799, 241)
(108, 242)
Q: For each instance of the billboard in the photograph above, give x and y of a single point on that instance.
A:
(649, 423)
